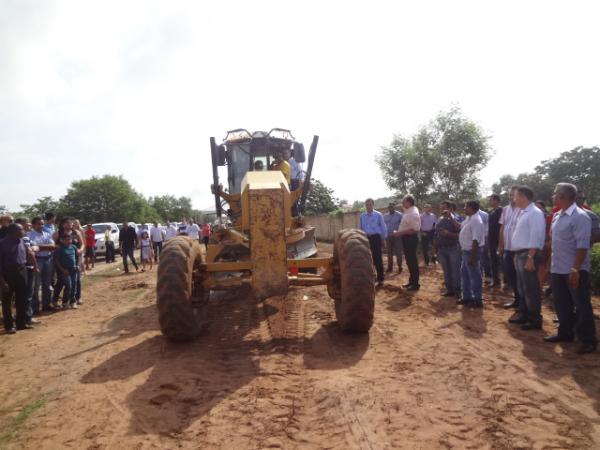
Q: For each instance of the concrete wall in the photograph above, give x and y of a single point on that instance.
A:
(327, 226)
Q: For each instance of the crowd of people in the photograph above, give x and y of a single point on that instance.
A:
(522, 242)
(41, 262)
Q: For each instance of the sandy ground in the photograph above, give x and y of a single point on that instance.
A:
(280, 374)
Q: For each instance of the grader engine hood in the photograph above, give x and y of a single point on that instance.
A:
(265, 215)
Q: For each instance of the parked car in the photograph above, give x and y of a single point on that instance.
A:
(99, 228)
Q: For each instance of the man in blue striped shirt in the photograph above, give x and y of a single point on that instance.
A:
(372, 223)
(571, 232)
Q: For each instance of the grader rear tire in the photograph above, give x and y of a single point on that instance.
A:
(181, 309)
(353, 286)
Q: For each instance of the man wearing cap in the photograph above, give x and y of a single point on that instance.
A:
(392, 221)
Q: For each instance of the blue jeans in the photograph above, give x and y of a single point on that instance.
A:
(471, 277)
(449, 258)
(43, 280)
(70, 282)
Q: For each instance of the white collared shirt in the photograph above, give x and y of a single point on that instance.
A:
(193, 231)
(157, 234)
(472, 229)
(411, 220)
(530, 229)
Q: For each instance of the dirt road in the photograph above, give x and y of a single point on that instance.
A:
(280, 374)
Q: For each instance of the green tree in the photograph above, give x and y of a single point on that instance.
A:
(442, 160)
(580, 166)
(106, 199)
(320, 199)
(168, 207)
(40, 207)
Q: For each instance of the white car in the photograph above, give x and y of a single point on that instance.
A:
(99, 228)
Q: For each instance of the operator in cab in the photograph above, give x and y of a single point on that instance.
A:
(281, 164)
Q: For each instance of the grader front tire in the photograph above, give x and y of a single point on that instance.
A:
(181, 310)
(353, 286)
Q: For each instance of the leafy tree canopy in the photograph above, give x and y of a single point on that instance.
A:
(168, 207)
(443, 158)
(320, 199)
(104, 199)
(40, 207)
(580, 166)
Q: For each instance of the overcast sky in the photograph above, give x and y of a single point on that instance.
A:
(137, 88)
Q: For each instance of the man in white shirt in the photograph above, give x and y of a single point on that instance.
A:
(472, 241)
(157, 236)
(505, 249)
(193, 230)
(409, 231)
(528, 240)
(170, 231)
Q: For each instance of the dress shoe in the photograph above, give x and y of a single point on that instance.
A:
(518, 319)
(514, 304)
(448, 294)
(531, 326)
(27, 326)
(586, 348)
(11, 331)
(413, 288)
(558, 338)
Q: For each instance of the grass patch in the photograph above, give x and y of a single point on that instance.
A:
(11, 432)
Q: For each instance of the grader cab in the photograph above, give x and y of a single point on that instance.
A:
(262, 243)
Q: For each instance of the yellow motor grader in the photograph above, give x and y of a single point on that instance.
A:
(260, 241)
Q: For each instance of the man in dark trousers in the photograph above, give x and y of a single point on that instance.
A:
(409, 230)
(372, 223)
(13, 278)
(571, 233)
(128, 240)
(494, 238)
